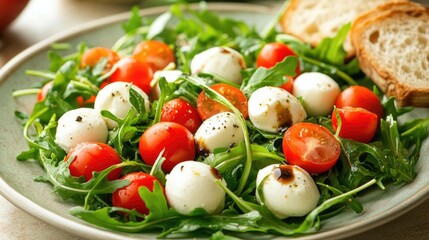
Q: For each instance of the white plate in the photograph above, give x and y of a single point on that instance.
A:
(16, 178)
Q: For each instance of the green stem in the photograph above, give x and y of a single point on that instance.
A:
(24, 92)
(121, 41)
(221, 99)
(272, 24)
(28, 125)
(47, 75)
(331, 68)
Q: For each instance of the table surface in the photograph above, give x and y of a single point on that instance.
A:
(44, 18)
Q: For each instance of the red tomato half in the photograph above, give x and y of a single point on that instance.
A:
(133, 71)
(358, 96)
(275, 52)
(93, 157)
(93, 55)
(176, 141)
(44, 91)
(128, 197)
(311, 146)
(207, 107)
(181, 112)
(155, 53)
(357, 123)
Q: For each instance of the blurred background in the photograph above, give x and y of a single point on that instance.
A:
(40, 19)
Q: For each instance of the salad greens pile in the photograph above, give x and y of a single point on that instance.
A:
(390, 158)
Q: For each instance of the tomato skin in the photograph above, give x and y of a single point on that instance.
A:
(128, 197)
(311, 146)
(44, 91)
(176, 141)
(155, 53)
(181, 112)
(93, 156)
(133, 71)
(275, 52)
(10, 9)
(207, 107)
(93, 55)
(288, 86)
(358, 96)
(358, 124)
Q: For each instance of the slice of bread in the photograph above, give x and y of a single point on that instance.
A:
(313, 20)
(392, 46)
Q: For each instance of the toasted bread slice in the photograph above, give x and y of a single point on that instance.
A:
(314, 20)
(392, 46)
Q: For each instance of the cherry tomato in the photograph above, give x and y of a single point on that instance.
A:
(93, 55)
(275, 52)
(93, 157)
(128, 197)
(311, 146)
(207, 107)
(44, 91)
(155, 53)
(356, 123)
(181, 112)
(176, 141)
(358, 96)
(133, 71)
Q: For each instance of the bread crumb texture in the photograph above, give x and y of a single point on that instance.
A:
(313, 20)
(401, 46)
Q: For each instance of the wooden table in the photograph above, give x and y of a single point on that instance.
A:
(44, 18)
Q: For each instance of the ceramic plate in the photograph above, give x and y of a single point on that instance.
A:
(16, 178)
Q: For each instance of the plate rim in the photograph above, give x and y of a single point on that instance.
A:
(94, 232)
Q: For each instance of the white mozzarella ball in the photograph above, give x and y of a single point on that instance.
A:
(115, 98)
(220, 130)
(273, 108)
(80, 125)
(318, 91)
(192, 185)
(223, 61)
(169, 75)
(288, 191)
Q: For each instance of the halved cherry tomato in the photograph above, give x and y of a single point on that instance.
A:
(128, 197)
(207, 107)
(155, 53)
(358, 96)
(44, 91)
(176, 141)
(275, 52)
(311, 146)
(181, 112)
(133, 71)
(93, 55)
(93, 157)
(358, 124)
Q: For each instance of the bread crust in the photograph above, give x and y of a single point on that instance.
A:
(387, 80)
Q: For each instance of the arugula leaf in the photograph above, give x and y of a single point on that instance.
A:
(274, 76)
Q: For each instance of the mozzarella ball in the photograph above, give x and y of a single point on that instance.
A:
(169, 75)
(220, 130)
(271, 109)
(318, 91)
(192, 185)
(222, 61)
(80, 125)
(288, 191)
(115, 98)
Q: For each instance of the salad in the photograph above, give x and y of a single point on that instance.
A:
(192, 124)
